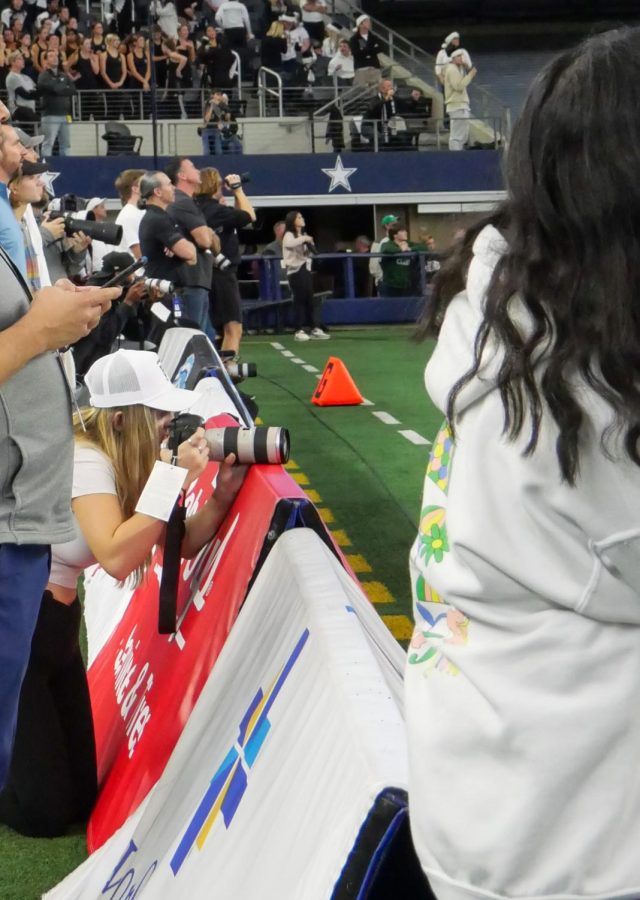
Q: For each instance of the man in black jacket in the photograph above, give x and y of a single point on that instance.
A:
(56, 91)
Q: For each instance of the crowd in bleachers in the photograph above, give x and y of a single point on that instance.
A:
(192, 49)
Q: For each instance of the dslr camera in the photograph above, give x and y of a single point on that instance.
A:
(107, 232)
(262, 444)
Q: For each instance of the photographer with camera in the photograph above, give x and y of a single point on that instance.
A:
(193, 283)
(226, 306)
(65, 254)
(297, 248)
(132, 305)
(53, 780)
(219, 133)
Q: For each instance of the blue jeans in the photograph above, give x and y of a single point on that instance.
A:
(213, 143)
(52, 127)
(24, 572)
(195, 301)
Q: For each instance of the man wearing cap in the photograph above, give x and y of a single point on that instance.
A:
(456, 98)
(101, 340)
(365, 49)
(375, 265)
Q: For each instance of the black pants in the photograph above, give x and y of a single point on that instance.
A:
(52, 780)
(306, 307)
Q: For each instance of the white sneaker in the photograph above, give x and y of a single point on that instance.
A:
(301, 336)
(317, 334)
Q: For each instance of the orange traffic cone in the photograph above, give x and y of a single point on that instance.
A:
(336, 387)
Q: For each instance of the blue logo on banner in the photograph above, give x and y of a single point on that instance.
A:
(228, 785)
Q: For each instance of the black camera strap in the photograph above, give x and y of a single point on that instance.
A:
(168, 603)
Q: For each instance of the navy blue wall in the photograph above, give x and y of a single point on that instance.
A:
(301, 174)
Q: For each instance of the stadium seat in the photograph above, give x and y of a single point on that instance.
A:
(120, 141)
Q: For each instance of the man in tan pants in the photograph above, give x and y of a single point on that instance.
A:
(456, 98)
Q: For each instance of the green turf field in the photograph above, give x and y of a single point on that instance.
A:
(364, 476)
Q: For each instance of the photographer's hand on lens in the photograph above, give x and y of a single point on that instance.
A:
(55, 227)
(59, 316)
(136, 292)
(229, 481)
(193, 454)
(79, 241)
(233, 182)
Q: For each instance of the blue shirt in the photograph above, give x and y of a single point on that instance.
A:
(11, 239)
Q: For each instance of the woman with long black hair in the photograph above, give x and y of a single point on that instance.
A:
(297, 247)
(524, 667)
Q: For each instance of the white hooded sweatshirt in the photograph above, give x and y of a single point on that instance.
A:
(523, 674)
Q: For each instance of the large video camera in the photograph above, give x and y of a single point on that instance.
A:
(107, 232)
(261, 444)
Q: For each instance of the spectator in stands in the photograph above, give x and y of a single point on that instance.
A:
(400, 276)
(166, 17)
(97, 38)
(298, 43)
(273, 9)
(25, 49)
(456, 80)
(365, 49)
(220, 129)
(382, 115)
(159, 57)
(12, 13)
(526, 618)
(56, 92)
(219, 65)
(139, 63)
(341, 65)
(226, 306)
(297, 248)
(186, 47)
(274, 46)
(113, 71)
(332, 38)
(22, 91)
(195, 281)
(53, 778)
(128, 187)
(313, 18)
(233, 17)
(40, 48)
(375, 267)
(84, 70)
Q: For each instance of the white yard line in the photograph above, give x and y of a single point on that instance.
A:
(386, 417)
(414, 437)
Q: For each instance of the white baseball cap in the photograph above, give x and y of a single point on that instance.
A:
(131, 377)
(95, 201)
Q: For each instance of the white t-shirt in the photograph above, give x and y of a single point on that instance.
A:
(312, 17)
(92, 474)
(129, 218)
(342, 66)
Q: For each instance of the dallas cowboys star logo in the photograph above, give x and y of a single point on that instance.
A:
(339, 176)
(47, 179)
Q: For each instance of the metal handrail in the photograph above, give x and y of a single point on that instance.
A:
(263, 90)
(398, 46)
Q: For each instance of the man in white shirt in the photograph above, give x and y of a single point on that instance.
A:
(233, 17)
(127, 185)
